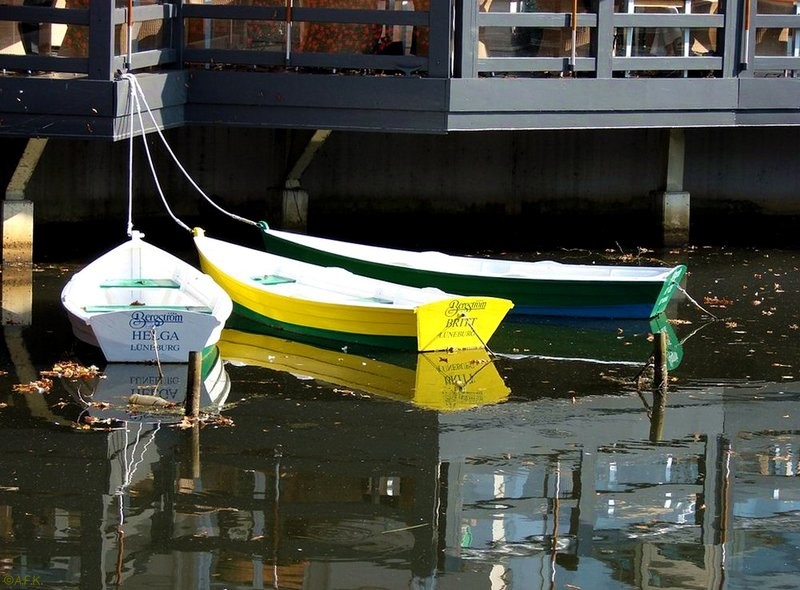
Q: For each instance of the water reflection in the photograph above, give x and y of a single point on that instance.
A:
(590, 341)
(147, 392)
(349, 471)
(445, 381)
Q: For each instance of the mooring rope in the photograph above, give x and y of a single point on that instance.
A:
(490, 352)
(130, 466)
(158, 358)
(132, 100)
(153, 170)
(141, 95)
(700, 307)
(478, 336)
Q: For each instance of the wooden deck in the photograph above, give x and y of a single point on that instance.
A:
(206, 64)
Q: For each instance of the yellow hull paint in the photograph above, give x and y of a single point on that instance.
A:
(445, 323)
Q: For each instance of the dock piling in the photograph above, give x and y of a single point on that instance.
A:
(192, 405)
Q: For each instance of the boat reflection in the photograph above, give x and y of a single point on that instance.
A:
(442, 381)
(108, 395)
(591, 341)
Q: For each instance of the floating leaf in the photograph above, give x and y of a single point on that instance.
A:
(717, 301)
(71, 370)
(40, 386)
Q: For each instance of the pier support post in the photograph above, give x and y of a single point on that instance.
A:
(675, 202)
(17, 211)
(294, 207)
(17, 231)
(675, 217)
(17, 255)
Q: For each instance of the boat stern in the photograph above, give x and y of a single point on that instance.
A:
(459, 322)
(671, 284)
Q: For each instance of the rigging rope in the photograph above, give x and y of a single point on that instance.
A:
(140, 95)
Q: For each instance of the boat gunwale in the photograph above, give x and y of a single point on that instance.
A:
(620, 297)
(643, 274)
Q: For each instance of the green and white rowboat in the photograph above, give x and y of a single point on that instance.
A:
(543, 288)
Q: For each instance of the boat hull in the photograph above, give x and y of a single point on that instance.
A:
(333, 305)
(157, 334)
(138, 303)
(598, 295)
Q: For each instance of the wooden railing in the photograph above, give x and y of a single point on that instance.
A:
(563, 38)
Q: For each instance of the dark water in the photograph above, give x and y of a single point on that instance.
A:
(553, 467)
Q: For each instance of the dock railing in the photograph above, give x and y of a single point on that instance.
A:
(427, 38)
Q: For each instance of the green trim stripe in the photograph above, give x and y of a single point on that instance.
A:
(140, 284)
(314, 335)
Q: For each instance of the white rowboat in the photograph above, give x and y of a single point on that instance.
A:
(138, 303)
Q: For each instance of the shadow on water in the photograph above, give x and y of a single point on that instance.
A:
(553, 465)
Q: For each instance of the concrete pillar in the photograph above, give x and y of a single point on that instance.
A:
(17, 230)
(17, 279)
(294, 208)
(675, 202)
(295, 199)
(675, 217)
(17, 211)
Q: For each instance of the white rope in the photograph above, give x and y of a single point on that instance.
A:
(132, 99)
(141, 95)
(150, 157)
(697, 305)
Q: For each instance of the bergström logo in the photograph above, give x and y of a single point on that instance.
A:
(141, 319)
(457, 307)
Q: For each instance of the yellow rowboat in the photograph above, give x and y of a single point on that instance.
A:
(333, 305)
(441, 381)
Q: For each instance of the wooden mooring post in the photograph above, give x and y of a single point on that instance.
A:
(192, 404)
(660, 372)
(660, 387)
